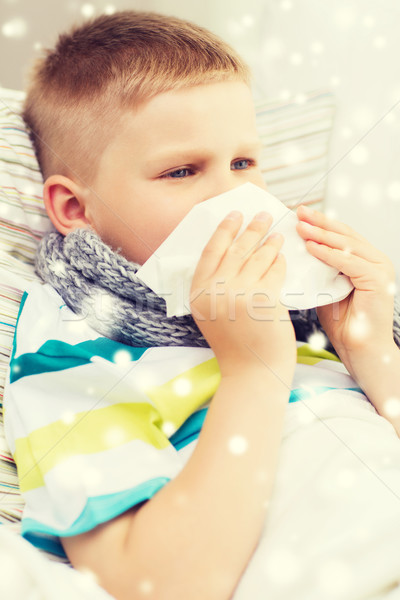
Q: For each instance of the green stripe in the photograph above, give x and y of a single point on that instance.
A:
(179, 397)
(91, 432)
(307, 351)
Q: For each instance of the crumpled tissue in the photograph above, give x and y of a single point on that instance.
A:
(169, 271)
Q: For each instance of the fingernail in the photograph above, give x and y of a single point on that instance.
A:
(275, 236)
(234, 214)
(307, 209)
(262, 216)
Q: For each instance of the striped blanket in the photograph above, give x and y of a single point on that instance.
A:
(79, 409)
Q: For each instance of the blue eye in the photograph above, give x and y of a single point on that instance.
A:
(178, 174)
(241, 164)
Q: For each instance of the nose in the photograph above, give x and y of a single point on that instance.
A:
(220, 183)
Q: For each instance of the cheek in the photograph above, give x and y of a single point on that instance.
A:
(258, 179)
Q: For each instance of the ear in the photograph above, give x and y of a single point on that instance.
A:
(65, 203)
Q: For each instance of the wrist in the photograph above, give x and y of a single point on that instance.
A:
(257, 373)
(365, 363)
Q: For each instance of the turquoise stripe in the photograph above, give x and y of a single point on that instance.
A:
(190, 430)
(98, 510)
(14, 344)
(101, 509)
(55, 355)
(301, 394)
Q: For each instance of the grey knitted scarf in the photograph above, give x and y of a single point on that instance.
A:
(102, 286)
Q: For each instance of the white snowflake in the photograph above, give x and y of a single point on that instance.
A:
(341, 186)
(393, 190)
(15, 28)
(391, 407)
(145, 587)
(359, 155)
(317, 47)
(88, 10)
(238, 445)
(286, 4)
(182, 386)
(335, 80)
(345, 478)
(296, 59)
(68, 417)
(360, 326)
(122, 358)
(368, 21)
(168, 428)
(292, 154)
(331, 213)
(109, 9)
(58, 268)
(317, 340)
(346, 133)
(248, 20)
(115, 436)
(345, 17)
(380, 42)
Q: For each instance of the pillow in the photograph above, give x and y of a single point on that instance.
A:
(294, 162)
(22, 222)
(295, 137)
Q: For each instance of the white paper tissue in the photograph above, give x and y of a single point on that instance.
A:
(169, 270)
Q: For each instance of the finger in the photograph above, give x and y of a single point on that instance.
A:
(318, 218)
(358, 247)
(358, 269)
(274, 277)
(241, 249)
(261, 259)
(217, 245)
(266, 292)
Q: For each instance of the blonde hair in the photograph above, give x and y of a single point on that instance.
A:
(79, 90)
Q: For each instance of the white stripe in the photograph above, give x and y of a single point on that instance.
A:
(323, 376)
(69, 485)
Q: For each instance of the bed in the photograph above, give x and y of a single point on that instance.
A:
(307, 551)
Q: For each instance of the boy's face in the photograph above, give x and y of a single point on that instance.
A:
(178, 149)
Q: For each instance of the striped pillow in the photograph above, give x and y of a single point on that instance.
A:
(295, 140)
(294, 161)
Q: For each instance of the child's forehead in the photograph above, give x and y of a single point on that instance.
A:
(197, 121)
(226, 101)
(195, 95)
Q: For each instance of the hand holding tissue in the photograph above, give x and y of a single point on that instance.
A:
(169, 270)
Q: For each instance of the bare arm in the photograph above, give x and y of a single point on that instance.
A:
(194, 538)
(360, 327)
(377, 371)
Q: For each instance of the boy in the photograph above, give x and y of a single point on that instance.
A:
(136, 118)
